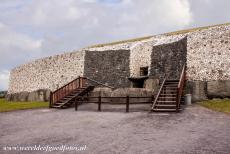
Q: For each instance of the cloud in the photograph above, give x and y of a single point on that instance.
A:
(4, 79)
(41, 28)
(8, 38)
(33, 29)
(16, 47)
(209, 12)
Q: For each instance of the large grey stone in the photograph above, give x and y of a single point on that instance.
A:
(121, 92)
(198, 90)
(103, 92)
(151, 84)
(23, 96)
(218, 89)
(132, 92)
(39, 95)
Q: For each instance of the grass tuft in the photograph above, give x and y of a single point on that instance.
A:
(221, 105)
(12, 106)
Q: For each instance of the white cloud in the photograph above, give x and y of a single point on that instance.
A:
(176, 12)
(32, 29)
(41, 28)
(10, 38)
(16, 48)
(4, 79)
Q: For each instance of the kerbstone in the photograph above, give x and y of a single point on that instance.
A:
(217, 89)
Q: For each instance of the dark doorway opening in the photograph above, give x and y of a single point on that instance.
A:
(138, 82)
(144, 71)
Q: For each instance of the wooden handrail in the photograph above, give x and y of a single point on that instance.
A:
(180, 87)
(100, 102)
(68, 83)
(66, 89)
(158, 94)
(181, 76)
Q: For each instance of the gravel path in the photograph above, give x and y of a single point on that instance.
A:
(195, 130)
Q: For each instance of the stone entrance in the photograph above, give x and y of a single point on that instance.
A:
(138, 82)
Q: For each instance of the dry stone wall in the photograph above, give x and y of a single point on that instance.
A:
(168, 59)
(109, 67)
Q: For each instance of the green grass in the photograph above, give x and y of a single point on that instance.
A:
(194, 29)
(148, 37)
(221, 105)
(12, 106)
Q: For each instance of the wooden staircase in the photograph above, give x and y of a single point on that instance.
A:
(170, 95)
(65, 96)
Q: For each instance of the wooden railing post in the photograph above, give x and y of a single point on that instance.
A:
(80, 82)
(180, 88)
(99, 103)
(76, 104)
(177, 99)
(152, 99)
(51, 99)
(127, 103)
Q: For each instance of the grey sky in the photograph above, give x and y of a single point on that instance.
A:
(31, 29)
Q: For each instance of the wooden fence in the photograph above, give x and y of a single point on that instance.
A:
(101, 100)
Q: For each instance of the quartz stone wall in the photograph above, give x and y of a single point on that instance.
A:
(205, 51)
(208, 57)
(47, 73)
(140, 56)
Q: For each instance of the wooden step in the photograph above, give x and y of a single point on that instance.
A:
(65, 98)
(166, 101)
(167, 97)
(168, 94)
(165, 105)
(69, 97)
(56, 106)
(164, 110)
(169, 90)
(59, 103)
(171, 80)
(168, 85)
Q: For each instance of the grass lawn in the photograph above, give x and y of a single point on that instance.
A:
(11, 106)
(222, 105)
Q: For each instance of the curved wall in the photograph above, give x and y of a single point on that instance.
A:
(208, 60)
(47, 73)
(208, 56)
